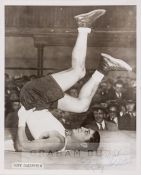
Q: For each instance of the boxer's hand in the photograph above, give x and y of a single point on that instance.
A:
(44, 135)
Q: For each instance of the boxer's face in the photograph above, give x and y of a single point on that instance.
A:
(82, 134)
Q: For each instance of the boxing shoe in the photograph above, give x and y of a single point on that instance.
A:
(109, 63)
(87, 19)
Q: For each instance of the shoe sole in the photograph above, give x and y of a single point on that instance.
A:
(91, 13)
(120, 63)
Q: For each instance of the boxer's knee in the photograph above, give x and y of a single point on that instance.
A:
(84, 105)
(80, 72)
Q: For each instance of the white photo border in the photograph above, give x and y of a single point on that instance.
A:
(2, 70)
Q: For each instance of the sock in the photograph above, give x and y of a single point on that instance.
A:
(102, 71)
(84, 29)
(97, 76)
(101, 68)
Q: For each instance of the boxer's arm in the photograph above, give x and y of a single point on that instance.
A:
(47, 145)
(50, 144)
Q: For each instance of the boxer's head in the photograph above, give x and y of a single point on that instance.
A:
(85, 139)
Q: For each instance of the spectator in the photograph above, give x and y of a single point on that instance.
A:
(12, 117)
(127, 120)
(7, 78)
(116, 92)
(14, 95)
(95, 120)
(20, 81)
(113, 115)
(103, 92)
(130, 92)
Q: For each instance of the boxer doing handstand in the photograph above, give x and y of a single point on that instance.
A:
(40, 95)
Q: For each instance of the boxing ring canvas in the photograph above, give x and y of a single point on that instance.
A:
(39, 41)
(117, 151)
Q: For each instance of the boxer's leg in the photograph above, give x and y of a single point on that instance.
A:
(82, 103)
(68, 78)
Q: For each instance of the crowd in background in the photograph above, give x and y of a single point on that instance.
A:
(113, 106)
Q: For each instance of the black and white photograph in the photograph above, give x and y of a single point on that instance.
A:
(70, 87)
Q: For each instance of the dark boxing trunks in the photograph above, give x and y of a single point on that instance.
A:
(41, 93)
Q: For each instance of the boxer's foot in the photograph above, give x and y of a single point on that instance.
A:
(108, 63)
(87, 19)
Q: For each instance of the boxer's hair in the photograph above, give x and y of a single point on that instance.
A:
(92, 144)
